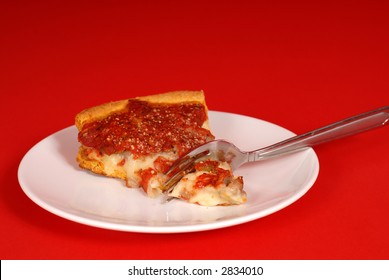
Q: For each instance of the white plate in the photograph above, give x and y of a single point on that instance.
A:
(50, 176)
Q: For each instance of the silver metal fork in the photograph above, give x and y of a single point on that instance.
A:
(226, 151)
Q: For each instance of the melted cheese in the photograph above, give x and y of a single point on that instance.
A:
(185, 189)
(130, 169)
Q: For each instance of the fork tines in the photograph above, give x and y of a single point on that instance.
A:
(180, 168)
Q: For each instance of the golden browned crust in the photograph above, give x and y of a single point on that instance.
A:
(87, 163)
(102, 111)
(99, 112)
(96, 166)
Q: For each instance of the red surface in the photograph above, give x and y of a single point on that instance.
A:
(299, 65)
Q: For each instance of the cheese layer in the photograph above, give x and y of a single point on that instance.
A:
(226, 193)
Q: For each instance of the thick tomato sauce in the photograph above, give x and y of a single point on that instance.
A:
(215, 175)
(145, 128)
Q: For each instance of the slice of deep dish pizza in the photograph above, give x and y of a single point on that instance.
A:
(138, 139)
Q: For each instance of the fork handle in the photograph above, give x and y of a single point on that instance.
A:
(347, 127)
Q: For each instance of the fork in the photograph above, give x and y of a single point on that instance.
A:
(226, 151)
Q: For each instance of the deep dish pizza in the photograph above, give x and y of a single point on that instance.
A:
(138, 139)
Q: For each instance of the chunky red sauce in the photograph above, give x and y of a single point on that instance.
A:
(162, 164)
(145, 176)
(215, 175)
(145, 128)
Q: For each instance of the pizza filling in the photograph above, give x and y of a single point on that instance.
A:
(146, 172)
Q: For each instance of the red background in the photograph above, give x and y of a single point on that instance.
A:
(297, 64)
